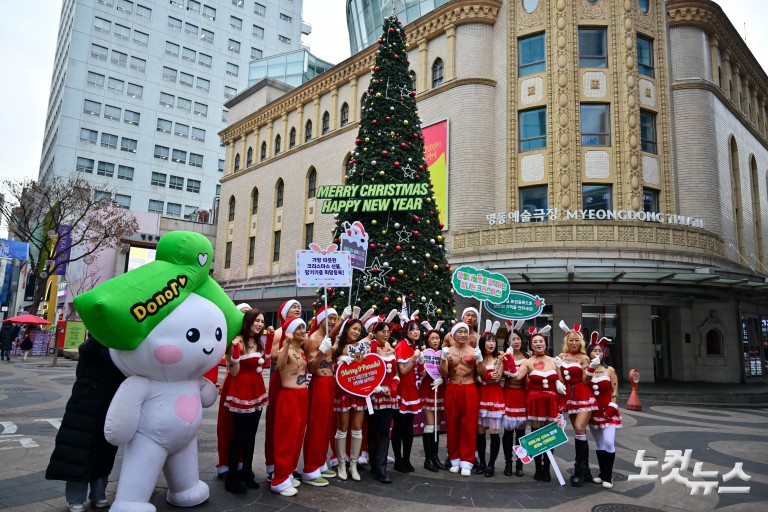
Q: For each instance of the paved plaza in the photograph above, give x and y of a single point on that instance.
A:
(33, 396)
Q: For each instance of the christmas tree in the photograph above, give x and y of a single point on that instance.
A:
(387, 197)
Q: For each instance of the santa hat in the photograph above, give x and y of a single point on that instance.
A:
(473, 310)
(290, 325)
(371, 322)
(568, 330)
(457, 326)
(243, 307)
(320, 317)
(282, 313)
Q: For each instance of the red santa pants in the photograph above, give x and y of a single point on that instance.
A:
(274, 389)
(461, 410)
(224, 427)
(291, 415)
(320, 425)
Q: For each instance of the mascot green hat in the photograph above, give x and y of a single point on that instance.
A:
(122, 312)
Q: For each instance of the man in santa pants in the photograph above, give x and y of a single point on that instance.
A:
(459, 365)
(321, 394)
(288, 310)
(291, 410)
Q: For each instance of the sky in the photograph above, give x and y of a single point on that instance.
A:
(28, 44)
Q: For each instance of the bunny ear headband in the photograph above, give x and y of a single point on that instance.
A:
(594, 342)
(517, 326)
(544, 330)
(429, 327)
(491, 327)
(568, 330)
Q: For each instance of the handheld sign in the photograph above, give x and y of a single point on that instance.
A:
(544, 440)
(480, 284)
(432, 363)
(518, 306)
(362, 376)
(354, 240)
(323, 268)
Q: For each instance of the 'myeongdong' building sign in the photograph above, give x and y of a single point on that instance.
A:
(553, 214)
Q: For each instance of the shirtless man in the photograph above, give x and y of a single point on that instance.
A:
(291, 407)
(469, 317)
(320, 421)
(459, 366)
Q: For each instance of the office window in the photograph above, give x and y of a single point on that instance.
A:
(237, 162)
(229, 92)
(308, 130)
(124, 173)
(645, 56)
(119, 58)
(532, 58)
(184, 104)
(532, 199)
(143, 12)
(155, 206)
(129, 145)
(193, 186)
(593, 48)
(92, 107)
(123, 201)
(259, 9)
(326, 122)
(251, 250)
(95, 80)
(106, 169)
(203, 85)
(107, 140)
(162, 153)
(258, 32)
(122, 32)
(85, 165)
(158, 179)
(186, 79)
(164, 125)
(101, 196)
(169, 74)
(233, 69)
(533, 129)
(167, 100)
(191, 29)
(596, 197)
(309, 234)
(437, 72)
(249, 157)
(107, 3)
(278, 140)
(255, 201)
(201, 109)
(237, 3)
(173, 210)
(292, 138)
(90, 136)
(179, 157)
(125, 6)
(648, 131)
(174, 23)
(182, 130)
(195, 160)
(131, 117)
(140, 38)
(115, 85)
(221, 165)
(198, 134)
(224, 115)
(102, 25)
(644, 5)
(280, 193)
(263, 151)
(311, 183)
(135, 91)
(231, 214)
(595, 124)
(235, 23)
(99, 52)
(206, 35)
(138, 64)
(112, 113)
(192, 5)
(209, 12)
(204, 60)
(285, 17)
(650, 200)
(344, 114)
(233, 46)
(256, 53)
(412, 74)
(188, 54)
(283, 39)
(228, 252)
(176, 183)
(172, 49)
(276, 247)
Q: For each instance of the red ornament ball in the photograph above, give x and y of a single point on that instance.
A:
(410, 295)
(314, 304)
(413, 93)
(373, 246)
(389, 118)
(391, 30)
(447, 266)
(392, 279)
(415, 218)
(397, 164)
(386, 300)
(377, 68)
(415, 233)
(398, 248)
(442, 225)
(373, 122)
(375, 270)
(330, 289)
(370, 91)
(384, 153)
(421, 167)
(380, 41)
(403, 145)
(396, 56)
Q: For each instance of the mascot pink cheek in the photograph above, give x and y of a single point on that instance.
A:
(168, 354)
(187, 407)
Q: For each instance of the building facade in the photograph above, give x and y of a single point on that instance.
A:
(138, 91)
(608, 156)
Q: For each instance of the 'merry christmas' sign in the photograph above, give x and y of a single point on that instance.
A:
(480, 284)
(385, 197)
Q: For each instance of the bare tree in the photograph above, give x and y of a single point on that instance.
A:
(63, 220)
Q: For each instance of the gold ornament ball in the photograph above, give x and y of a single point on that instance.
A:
(367, 139)
(400, 272)
(399, 300)
(439, 311)
(378, 95)
(404, 122)
(429, 200)
(392, 134)
(435, 267)
(374, 222)
(454, 311)
(367, 287)
(374, 307)
(439, 238)
(407, 45)
(365, 150)
(428, 221)
(383, 231)
(417, 279)
(381, 173)
(427, 255)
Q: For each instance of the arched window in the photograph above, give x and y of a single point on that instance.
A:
(738, 212)
(237, 162)
(263, 151)
(756, 213)
(308, 131)
(344, 114)
(714, 343)
(311, 182)
(255, 201)
(413, 80)
(279, 193)
(231, 216)
(437, 72)
(277, 145)
(326, 122)
(249, 160)
(292, 138)
(345, 169)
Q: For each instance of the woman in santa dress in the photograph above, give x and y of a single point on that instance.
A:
(431, 408)
(385, 403)
(407, 353)
(491, 410)
(515, 415)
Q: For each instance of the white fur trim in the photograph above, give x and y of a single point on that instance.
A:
(458, 326)
(294, 324)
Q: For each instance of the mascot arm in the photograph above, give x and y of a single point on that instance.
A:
(124, 412)
(208, 393)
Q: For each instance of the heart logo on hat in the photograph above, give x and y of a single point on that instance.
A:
(432, 363)
(202, 259)
(361, 377)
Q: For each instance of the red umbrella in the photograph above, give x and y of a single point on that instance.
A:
(27, 319)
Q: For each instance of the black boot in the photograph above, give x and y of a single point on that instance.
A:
(233, 483)
(600, 454)
(545, 476)
(507, 441)
(585, 472)
(435, 457)
(429, 439)
(538, 476)
(372, 455)
(577, 478)
(480, 443)
(495, 444)
(518, 462)
(381, 461)
(407, 446)
(608, 471)
(247, 478)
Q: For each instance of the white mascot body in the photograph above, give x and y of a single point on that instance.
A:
(157, 411)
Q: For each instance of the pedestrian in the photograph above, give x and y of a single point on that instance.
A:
(26, 344)
(8, 333)
(384, 402)
(82, 457)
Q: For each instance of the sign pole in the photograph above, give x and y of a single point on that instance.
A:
(478, 317)
(436, 425)
(325, 295)
(553, 462)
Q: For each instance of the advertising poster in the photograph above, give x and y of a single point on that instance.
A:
(436, 155)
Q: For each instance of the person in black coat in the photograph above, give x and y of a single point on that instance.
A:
(8, 333)
(82, 455)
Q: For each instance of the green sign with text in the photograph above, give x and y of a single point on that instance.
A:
(546, 438)
(518, 306)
